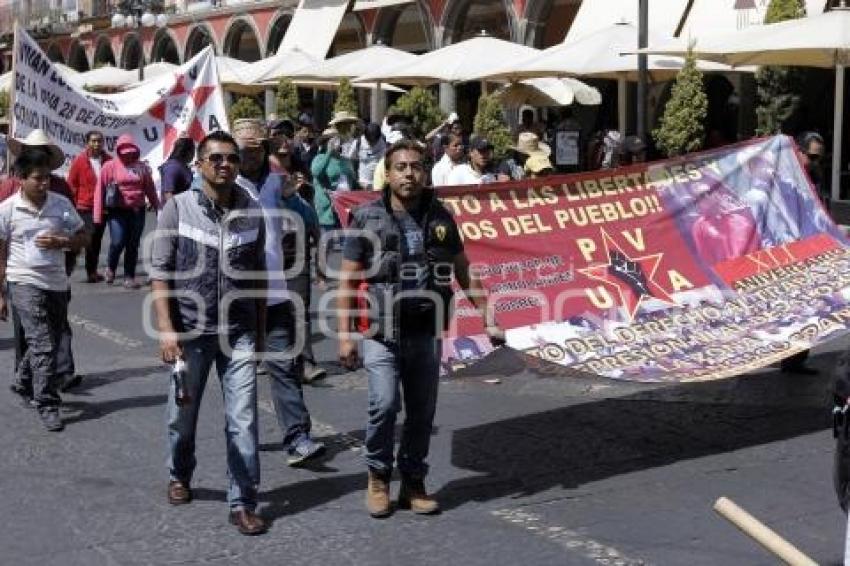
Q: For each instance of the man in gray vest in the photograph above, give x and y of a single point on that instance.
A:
(208, 275)
(407, 246)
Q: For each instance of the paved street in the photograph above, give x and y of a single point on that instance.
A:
(533, 471)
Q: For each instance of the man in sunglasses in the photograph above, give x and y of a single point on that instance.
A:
(208, 280)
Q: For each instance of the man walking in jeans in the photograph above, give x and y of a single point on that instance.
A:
(284, 364)
(208, 280)
(409, 287)
(37, 227)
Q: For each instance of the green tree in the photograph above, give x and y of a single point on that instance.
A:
(781, 10)
(286, 99)
(346, 100)
(422, 108)
(4, 103)
(682, 127)
(777, 88)
(490, 123)
(245, 107)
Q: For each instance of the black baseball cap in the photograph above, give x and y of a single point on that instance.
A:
(480, 143)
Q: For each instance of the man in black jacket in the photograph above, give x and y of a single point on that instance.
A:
(407, 246)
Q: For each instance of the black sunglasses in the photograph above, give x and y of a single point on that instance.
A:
(814, 156)
(219, 158)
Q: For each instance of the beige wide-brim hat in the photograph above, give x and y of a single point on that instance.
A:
(344, 117)
(529, 144)
(38, 138)
(249, 132)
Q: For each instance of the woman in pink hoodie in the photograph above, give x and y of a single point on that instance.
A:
(127, 220)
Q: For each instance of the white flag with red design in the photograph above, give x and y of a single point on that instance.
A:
(188, 102)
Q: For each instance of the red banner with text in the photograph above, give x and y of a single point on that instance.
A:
(699, 267)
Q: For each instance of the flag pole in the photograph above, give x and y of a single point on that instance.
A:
(12, 88)
(837, 133)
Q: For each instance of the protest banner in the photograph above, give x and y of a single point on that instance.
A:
(188, 102)
(699, 267)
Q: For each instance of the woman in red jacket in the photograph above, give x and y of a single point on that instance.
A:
(83, 177)
(126, 220)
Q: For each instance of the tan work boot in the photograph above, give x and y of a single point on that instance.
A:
(414, 497)
(378, 495)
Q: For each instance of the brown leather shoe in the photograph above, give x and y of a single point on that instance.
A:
(248, 522)
(378, 495)
(179, 493)
(414, 497)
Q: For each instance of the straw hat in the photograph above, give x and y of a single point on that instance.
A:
(344, 117)
(38, 138)
(249, 132)
(529, 144)
(329, 133)
(537, 163)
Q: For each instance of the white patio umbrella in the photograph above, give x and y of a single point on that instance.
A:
(284, 64)
(597, 55)
(333, 85)
(463, 61)
(548, 92)
(821, 40)
(153, 72)
(357, 63)
(232, 71)
(159, 69)
(106, 77)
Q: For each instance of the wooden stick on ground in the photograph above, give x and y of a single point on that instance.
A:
(761, 533)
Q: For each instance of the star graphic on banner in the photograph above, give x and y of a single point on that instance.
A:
(632, 278)
(175, 109)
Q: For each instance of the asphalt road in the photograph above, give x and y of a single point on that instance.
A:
(537, 470)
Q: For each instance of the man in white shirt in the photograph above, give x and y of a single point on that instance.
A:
(480, 168)
(453, 156)
(284, 370)
(37, 227)
(370, 152)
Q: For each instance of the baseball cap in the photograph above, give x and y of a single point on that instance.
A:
(480, 143)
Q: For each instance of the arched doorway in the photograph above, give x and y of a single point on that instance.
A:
(132, 54)
(77, 58)
(409, 28)
(165, 48)
(467, 18)
(241, 42)
(103, 54)
(199, 37)
(277, 31)
(54, 53)
(548, 21)
(350, 36)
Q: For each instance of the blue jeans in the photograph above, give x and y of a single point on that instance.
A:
(285, 375)
(238, 377)
(125, 233)
(411, 364)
